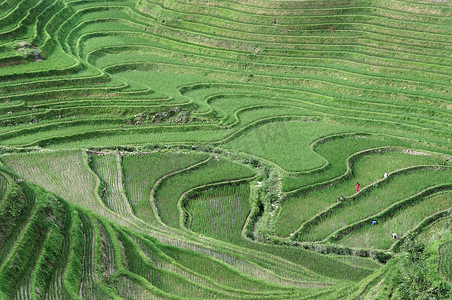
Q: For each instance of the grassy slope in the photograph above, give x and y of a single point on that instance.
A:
(367, 169)
(108, 168)
(286, 143)
(96, 247)
(142, 172)
(401, 223)
(268, 79)
(377, 200)
(170, 190)
(220, 212)
(445, 265)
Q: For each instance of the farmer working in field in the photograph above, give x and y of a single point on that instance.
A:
(340, 198)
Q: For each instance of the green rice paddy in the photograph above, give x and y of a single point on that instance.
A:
(201, 149)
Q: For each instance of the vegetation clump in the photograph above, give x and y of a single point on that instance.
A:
(416, 275)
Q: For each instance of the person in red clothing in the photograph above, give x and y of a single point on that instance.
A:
(357, 186)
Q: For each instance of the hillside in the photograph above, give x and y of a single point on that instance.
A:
(168, 149)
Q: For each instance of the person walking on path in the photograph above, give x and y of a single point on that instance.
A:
(357, 186)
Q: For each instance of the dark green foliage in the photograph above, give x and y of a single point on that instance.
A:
(73, 276)
(48, 261)
(164, 280)
(46, 217)
(414, 277)
(13, 212)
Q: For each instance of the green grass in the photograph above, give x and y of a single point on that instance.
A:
(366, 170)
(220, 212)
(15, 214)
(4, 185)
(108, 168)
(445, 265)
(16, 272)
(132, 289)
(379, 236)
(168, 193)
(435, 231)
(55, 284)
(220, 272)
(287, 144)
(166, 280)
(90, 258)
(400, 187)
(141, 172)
(67, 175)
(336, 150)
(142, 135)
(359, 261)
(326, 266)
(56, 172)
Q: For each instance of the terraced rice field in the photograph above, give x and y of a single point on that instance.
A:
(211, 149)
(220, 212)
(445, 265)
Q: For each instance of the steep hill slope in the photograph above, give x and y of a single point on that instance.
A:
(224, 149)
